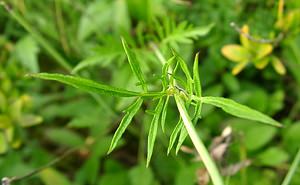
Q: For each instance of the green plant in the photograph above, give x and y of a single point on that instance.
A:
(188, 97)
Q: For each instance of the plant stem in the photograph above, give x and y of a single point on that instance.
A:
(200, 147)
(198, 144)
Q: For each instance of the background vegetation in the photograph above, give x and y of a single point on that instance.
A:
(248, 51)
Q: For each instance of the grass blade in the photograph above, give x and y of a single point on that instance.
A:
(130, 112)
(200, 147)
(134, 64)
(292, 169)
(174, 135)
(153, 129)
(238, 110)
(86, 84)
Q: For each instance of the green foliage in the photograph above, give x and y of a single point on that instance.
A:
(82, 38)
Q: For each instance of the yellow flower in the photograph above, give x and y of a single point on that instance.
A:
(251, 52)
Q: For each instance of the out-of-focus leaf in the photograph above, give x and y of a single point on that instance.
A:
(64, 137)
(29, 120)
(273, 156)
(236, 53)
(291, 138)
(3, 143)
(278, 66)
(238, 68)
(260, 64)
(263, 50)
(255, 136)
(5, 121)
(50, 177)
(27, 52)
(139, 175)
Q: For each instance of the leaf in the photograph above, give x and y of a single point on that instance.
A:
(184, 33)
(239, 67)
(86, 84)
(182, 136)
(174, 135)
(139, 175)
(27, 52)
(197, 87)
(134, 64)
(236, 53)
(153, 129)
(3, 143)
(186, 71)
(239, 110)
(263, 50)
(28, 120)
(244, 40)
(278, 66)
(164, 114)
(273, 157)
(65, 137)
(260, 64)
(130, 112)
(50, 177)
(198, 107)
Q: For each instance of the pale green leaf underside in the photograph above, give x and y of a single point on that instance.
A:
(239, 110)
(130, 112)
(174, 135)
(87, 85)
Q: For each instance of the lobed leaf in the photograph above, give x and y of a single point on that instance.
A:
(130, 112)
(86, 84)
(153, 129)
(134, 64)
(239, 110)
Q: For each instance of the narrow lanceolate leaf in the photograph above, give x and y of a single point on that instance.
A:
(134, 64)
(174, 135)
(130, 112)
(197, 87)
(86, 84)
(164, 114)
(238, 110)
(153, 129)
(182, 136)
(186, 72)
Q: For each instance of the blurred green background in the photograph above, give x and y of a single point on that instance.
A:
(39, 120)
